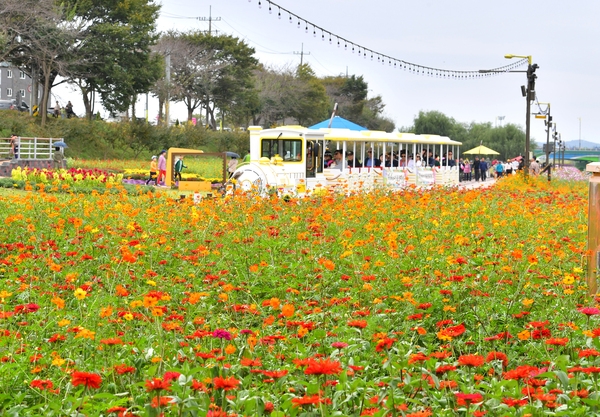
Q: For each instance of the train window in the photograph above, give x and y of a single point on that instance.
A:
(288, 149)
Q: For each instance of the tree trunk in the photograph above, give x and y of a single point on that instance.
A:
(45, 95)
(87, 102)
(161, 103)
(133, 100)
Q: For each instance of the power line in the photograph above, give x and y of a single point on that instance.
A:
(381, 57)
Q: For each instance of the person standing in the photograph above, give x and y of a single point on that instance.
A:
(534, 167)
(232, 165)
(69, 109)
(499, 169)
(467, 170)
(14, 146)
(477, 168)
(57, 110)
(483, 168)
(58, 158)
(153, 170)
(162, 167)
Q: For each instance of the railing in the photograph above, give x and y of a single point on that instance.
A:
(29, 148)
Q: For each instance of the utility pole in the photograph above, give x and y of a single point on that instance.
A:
(209, 19)
(301, 53)
(168, 78)
(548, 123)
(580, 133)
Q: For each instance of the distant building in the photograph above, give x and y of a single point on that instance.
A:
(15, 84)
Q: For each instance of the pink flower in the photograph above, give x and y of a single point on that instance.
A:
(339, 345)
(589, 311)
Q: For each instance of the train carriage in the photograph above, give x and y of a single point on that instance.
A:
(292, 159)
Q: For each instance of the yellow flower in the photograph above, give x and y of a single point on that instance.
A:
(527, 302)
(80, 293)
(64, 322)
(58, 361)
(568, 279)
(450, 308)
(524, 335)
(128, 316)
(150, 282)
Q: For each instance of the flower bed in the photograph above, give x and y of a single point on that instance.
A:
(425, 303)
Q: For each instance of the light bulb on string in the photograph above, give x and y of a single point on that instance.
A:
(279, 14)
(270, 11)
(306, 28)
(345, 46)
(298, 24)
(290, 20)
(314, 32)
(259, 4)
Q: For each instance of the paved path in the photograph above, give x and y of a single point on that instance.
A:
(470, 185)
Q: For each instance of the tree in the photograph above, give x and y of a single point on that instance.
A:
(351, 94)
(215, 73)
(34, 38)
(113, 50)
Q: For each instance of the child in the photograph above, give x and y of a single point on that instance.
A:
(153, 170)
(178, 168)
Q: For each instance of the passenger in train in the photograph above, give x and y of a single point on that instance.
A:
(338, 160)
(352, 163)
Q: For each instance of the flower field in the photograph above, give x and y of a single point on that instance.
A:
(424, 303)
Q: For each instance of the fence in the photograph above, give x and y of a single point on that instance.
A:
(30, 148)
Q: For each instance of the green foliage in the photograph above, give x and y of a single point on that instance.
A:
(113, 55)
(97, 139)
(508, 140)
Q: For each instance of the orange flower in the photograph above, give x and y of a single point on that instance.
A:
(361, 324)
(287, 310)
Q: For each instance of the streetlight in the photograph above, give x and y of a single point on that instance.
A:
(529, 94)
(548, 122)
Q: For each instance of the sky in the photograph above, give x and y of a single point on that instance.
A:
(452, 35)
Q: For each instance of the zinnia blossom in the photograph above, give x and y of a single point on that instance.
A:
(309, 400)
(85, 378)
(226, 384)
(466, 399)
(323, 367)
(589, 311)
(157, 384)
(221, 334)
(471, 360)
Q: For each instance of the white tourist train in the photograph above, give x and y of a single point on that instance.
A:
(295, 160)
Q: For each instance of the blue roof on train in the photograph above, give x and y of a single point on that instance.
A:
(338, 123)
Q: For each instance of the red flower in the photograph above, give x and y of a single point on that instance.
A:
(512, 402)
(225, 384)
(87, 379)
(170, 376)
(498, 356)
(471, 360)
(384, 344)
(323, 367)
(309, 400)
(157, 384)
(557, 341)
(250, 362)
(445, 368)
(466, 399)
(453, 331)
(124, 369)
(41, 384)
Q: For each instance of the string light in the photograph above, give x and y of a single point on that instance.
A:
(411, 67)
